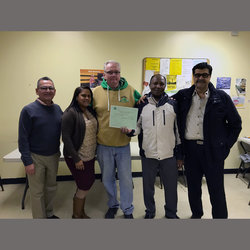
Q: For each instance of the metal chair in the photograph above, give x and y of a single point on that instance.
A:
(245, 160)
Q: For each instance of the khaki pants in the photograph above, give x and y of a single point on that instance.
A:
(43, 185)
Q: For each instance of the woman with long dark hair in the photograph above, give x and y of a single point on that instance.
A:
(79, 129)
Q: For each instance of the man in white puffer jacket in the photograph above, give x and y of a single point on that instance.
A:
(160, 145)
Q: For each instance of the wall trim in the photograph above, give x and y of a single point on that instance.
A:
(98, 176)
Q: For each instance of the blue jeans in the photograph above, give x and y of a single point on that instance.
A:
(110, 158)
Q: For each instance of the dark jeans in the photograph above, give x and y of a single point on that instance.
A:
(169, 174)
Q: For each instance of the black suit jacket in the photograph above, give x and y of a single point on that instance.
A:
(221, 124)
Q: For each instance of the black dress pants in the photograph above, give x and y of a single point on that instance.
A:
(197, 165)
(169, 174)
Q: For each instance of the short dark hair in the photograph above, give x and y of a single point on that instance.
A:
(203, 65)
(158, 75)
(74, 103)
(45, 78)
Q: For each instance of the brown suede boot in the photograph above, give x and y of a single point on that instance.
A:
(77, 208)
(84, 216)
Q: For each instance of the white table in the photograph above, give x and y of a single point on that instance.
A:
(15, 156)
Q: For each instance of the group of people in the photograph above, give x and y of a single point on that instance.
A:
(195, 127)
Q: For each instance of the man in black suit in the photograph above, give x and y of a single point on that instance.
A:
(209, 125)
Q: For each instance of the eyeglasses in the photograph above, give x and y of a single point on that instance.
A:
(47, 88)
(112, 72)
(204, 75)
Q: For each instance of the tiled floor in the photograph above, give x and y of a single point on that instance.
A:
(238, 196)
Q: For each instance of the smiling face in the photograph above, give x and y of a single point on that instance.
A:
(46, 91)
(84, 99)
(201, 79)
(112, 74)
(157, 86)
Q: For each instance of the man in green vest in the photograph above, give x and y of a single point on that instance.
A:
(113, 149)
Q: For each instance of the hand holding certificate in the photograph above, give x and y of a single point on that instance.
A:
(123, 117)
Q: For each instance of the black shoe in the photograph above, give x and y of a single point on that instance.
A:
(128, 216)
(176, 217)
(149, 216)
(53, 217)
(111, 213)
(195, 217)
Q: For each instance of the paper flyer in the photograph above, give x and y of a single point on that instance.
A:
(187, 65)
(199, 60)
(238, 101)
(240, 86)
(224, 83)
(183, 82)
(153, 64)
(164, 66)
(171, 82)
(148, 75)
(175, 67)
(123, 117)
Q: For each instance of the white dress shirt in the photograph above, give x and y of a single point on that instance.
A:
(194, 125)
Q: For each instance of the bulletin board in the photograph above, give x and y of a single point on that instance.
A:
(178, 72)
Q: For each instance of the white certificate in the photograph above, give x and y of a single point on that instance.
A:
(123, 117)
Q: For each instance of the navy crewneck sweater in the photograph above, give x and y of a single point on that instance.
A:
(39, 130)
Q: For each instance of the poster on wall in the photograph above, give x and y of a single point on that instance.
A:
(153, 64)
(171, 87)
(164, 66)
(175, 66)
(91, 77)
(240, 86)
(238, 101)
(224, 83)
(177, 71)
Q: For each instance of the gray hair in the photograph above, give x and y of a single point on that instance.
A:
(44, 78)
(111, 61)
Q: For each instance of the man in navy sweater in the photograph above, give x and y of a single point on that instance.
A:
(38, 143)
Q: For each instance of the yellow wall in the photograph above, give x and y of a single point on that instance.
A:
(27, 56)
